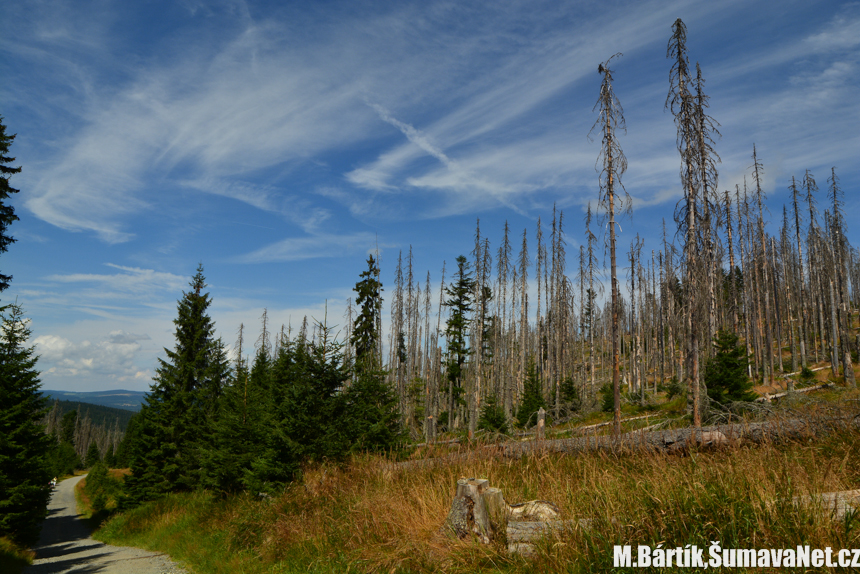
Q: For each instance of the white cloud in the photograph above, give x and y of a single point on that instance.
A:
(298, 248)
(113, 357)
(133, 281)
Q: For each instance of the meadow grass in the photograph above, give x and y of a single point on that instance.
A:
(375, 516)
(14, 558)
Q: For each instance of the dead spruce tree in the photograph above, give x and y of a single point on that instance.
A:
(682, 105)
(611, 164)
(840, 252)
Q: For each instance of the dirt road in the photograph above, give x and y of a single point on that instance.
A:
(65, 545)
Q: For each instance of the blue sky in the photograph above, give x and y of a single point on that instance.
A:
(277, 143)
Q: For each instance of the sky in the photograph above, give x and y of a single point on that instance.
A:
(278, 143)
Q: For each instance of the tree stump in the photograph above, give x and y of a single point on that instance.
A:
(480, 511)
(468, 515)
(541, 423)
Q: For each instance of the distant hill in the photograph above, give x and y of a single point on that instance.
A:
(118, 399)
(100, 415)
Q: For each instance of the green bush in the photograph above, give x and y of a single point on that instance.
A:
(571, 399)
(607, 398)
(807, 375)
(102, 489)
(493, 417)
(675, 388)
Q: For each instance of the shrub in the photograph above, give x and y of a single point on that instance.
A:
(607, 398)
(532, 398)
(493, 417)
(675, 388)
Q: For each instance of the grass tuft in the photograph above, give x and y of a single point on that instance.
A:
(14, 558)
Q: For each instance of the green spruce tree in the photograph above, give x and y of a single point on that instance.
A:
(371, 418)
(726, 372)
(177, 418)
(365, 333)
(24, 446)
(93, 455)
(312, 411)
(459, 301)
(532, 400)
(7, 212)
(492, 417)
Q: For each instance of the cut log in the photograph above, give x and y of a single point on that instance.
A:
(533, 511)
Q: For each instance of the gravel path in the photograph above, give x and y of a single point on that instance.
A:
(65, 545)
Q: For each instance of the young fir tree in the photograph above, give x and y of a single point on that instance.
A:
(365, 333)
(241, 456)
(460, 294)
(24, 446)
(371, 418)
(110, 458)
(493, 417)
(532, 399)
(311, 413)
(93, 455)
(176, 419)
(726, 371)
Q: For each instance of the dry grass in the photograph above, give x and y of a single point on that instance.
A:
(375, 516)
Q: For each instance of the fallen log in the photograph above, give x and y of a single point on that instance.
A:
(768, 397)
(670, 441)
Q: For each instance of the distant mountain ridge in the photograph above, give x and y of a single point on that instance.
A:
(118, 399)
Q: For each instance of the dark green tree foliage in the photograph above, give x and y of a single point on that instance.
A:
(242, 456)
(570, 395)
(372, 422)
(110, 458)
(459, 300)
(24, 446)
(607, 398)
(532, 399)
(64, 459)
(68, 427)
(726, 372)
(492, 417)
(365, 332)
(93, 455)
(176, 420)
(123, 450)
(7, 212)
(313, 405)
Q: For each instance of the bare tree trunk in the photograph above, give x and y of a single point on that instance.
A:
(614, 164)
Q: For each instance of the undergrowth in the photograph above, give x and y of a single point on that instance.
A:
(14, 558)
(375, 516)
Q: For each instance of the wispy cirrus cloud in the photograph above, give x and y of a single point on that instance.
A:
(312, 247)
(130, 280)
